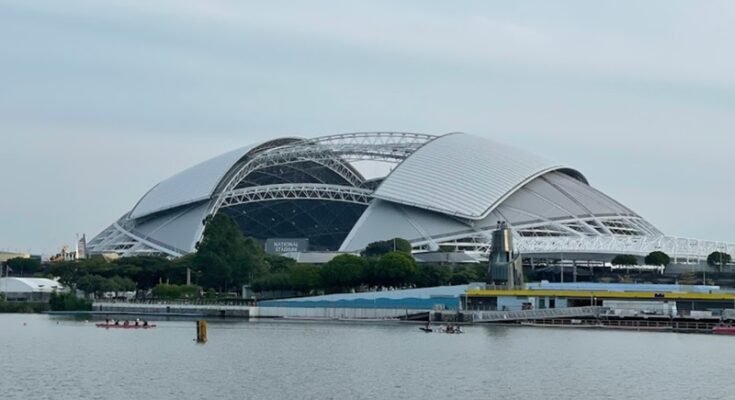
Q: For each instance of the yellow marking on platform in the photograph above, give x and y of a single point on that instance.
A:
(586, 294)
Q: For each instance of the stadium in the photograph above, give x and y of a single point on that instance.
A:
(342, 192)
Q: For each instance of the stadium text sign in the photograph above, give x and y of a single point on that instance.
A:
(280, 246)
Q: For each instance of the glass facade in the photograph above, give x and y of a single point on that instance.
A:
(325, 223)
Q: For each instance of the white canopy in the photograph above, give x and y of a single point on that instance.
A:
(29, 285)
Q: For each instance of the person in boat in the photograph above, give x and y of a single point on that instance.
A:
(107, 321)
(117, 323)
(137, 322)
(145, 323)
(126, 323)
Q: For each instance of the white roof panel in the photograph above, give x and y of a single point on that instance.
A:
(178, 229)
(191, 185)
(383, 220)
(462, 175)
(29, 285)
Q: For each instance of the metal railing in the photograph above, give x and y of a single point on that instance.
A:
(494, 316)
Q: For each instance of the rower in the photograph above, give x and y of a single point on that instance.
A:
(145, 323)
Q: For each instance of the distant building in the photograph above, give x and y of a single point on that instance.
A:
(29, 289)
(64, 255)
(5, 256)
(79, 252)
(81, 249)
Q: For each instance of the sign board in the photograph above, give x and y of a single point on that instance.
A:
(280, 246)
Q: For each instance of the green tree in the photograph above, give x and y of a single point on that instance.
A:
(464, 274)
(24, 266)
(377, 249)
(166, 291)
(225, 258)
(625, 259)
(305, 278)
(658, 258)
(278, 263)
(68, 302)
(343, 272)
(148, 271)
(92, 284)
(191, 291)
(97, 284)
(718, 259)
(69, 272)
(122, 284)
(433, 275)
(396, 269)
(277, 281)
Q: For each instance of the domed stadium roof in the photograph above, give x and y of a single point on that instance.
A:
(463, 175)
(342, 192)
(188, 186)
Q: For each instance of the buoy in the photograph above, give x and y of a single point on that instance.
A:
(202, 331)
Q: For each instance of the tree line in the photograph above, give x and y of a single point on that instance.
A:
(348, 272)
(225, 260)
(659, 258)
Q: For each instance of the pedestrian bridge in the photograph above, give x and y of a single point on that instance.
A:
(525, 315)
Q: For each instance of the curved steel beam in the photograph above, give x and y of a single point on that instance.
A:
(310, 191)
(336, 149)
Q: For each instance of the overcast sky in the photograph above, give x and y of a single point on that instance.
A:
(101, 100)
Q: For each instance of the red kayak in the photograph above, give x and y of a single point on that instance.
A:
(121, 326)
(724, 330)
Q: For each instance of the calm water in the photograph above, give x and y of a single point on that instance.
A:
(287, 360)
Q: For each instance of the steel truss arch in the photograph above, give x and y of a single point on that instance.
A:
(117, 239)
(334, 152)
(558, 232)
(681, 250)
(379, 146)
(303, 191)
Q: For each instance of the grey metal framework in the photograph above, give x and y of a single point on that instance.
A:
(309, 191)
(439, 191)
(333, 153)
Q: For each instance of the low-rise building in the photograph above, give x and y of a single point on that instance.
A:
(29, 289)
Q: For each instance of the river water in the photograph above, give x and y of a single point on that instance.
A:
(44, 357)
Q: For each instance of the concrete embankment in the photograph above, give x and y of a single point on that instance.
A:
(180, 310)
(242, 311)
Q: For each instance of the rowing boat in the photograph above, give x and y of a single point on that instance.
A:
(724, 330)
(121, 326)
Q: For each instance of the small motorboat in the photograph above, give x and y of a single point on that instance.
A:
(123, 326)
(724, 330)
(425, 329)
